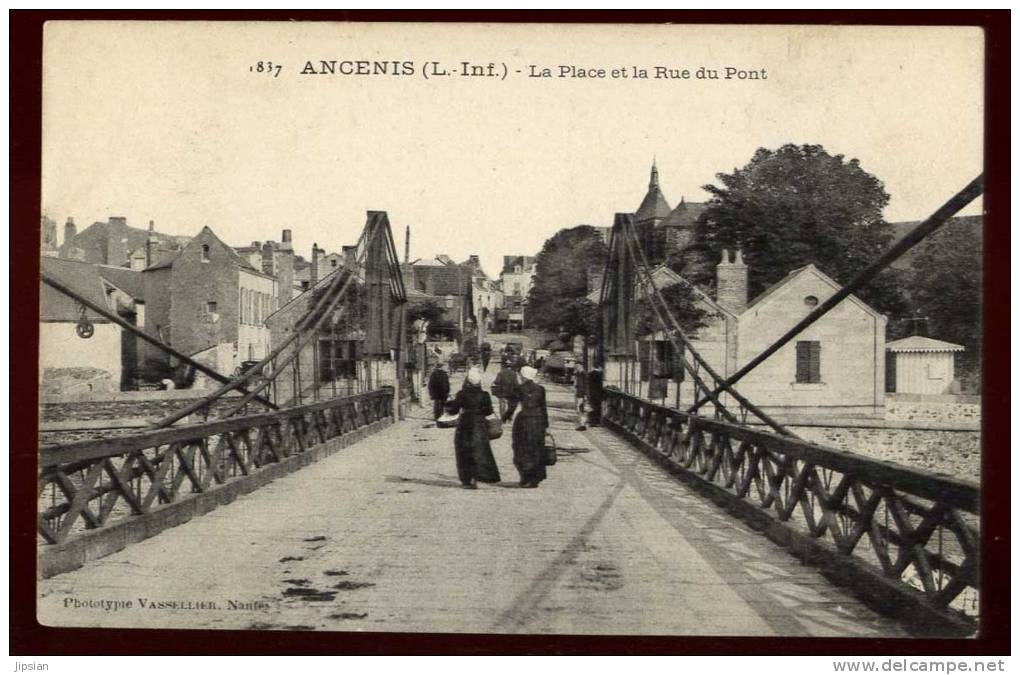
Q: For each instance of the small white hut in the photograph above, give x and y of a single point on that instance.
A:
(921, 365)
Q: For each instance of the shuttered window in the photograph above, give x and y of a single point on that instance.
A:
(809, 362)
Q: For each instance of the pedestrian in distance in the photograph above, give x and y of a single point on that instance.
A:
(471, 439)
(439, 390)
(503, 386)
(530, 425)
(486, 354)
(595, 396)
(580, 393)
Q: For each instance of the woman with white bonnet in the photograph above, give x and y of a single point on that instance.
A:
(471, 439)
(529, 428)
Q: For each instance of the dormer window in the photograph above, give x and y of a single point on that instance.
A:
(811, 301)
(205, 252)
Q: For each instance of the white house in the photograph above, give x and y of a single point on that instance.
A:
(835, 367)
(61, 345)
(921, 365)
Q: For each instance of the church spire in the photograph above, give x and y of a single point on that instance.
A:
(653, 184)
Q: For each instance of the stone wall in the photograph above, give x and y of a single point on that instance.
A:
(944, 409)
(954, 453)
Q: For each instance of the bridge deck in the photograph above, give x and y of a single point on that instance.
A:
(380, 537)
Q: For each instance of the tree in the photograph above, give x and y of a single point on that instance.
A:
(428, 310)
(945, 286)
(798, 205)
(682, 301)
(557, 301)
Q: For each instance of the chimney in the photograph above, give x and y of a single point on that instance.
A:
(49, 233)
(731, 282)
(116, 241)
(70, 230)
(350, 256)
(268, 262)
(285, 268)
(313, 274)
(150, 245)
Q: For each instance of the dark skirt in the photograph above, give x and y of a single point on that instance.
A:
(473, 452)
(529, 448)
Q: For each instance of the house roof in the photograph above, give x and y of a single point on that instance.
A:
(231, 253)
(654, 205)
(81, 277)
(127, 280)
(446, 279)
(807, 269)
(93, 240)
(918, 343)
(685, 215)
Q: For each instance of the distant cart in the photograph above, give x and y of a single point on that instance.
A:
(559, 367)
(459, 361)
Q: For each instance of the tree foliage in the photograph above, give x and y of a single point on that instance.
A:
(557, 302)
(945, 285)
(682, 301)
(798, 205)
(428, 310)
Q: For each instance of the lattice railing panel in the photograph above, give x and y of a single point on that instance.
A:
(91, 484)
(911, 526)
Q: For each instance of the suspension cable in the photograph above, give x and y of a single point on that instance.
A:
(708, 368)
(300, 327)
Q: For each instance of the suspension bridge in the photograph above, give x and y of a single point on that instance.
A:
(311, 493)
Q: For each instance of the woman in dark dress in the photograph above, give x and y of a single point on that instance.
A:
(471, 439)
(529, 428)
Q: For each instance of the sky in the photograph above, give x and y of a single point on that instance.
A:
(172, 122)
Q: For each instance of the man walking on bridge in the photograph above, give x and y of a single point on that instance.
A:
(439, 390)
(504, 384)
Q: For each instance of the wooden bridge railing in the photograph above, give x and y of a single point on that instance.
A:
(93, 484)
(910, 530)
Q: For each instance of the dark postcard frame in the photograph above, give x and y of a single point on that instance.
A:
(27, 637)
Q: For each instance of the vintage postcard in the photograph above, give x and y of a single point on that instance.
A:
(511, 328)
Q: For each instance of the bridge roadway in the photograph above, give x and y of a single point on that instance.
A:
(380, 537)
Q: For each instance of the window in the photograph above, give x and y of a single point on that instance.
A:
(210, 307)
(244, 306)
(809, 362)
(205, 252)
(811, 301)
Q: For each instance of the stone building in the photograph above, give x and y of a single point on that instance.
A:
(116, 243)
(451, 285)
(48, 240)
(835, 367)
(516, 278)
(74, 360)
(666, 233)
(211, 304)
(358, 345)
